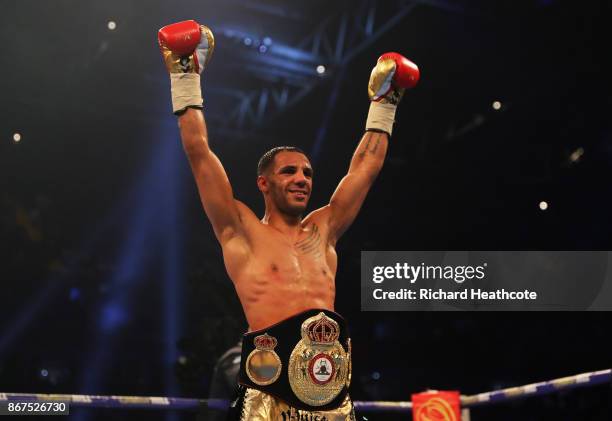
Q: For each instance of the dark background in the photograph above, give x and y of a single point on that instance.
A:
(112, 282)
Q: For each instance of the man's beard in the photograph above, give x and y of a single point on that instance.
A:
(291, 210)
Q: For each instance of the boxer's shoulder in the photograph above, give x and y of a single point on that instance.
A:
(320, 217)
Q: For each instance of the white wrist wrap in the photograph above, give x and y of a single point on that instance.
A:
(186, 91)
(381, 117)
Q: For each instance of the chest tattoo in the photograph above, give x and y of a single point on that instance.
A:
(311, 244)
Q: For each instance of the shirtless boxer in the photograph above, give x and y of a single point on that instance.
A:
(296, 355)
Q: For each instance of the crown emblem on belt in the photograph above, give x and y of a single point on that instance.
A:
(265, 342)
(321, 329)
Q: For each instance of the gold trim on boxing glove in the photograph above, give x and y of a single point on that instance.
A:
(205, 30)
(381, 87)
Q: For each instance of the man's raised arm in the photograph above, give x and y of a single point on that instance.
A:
(391, 75)
(187, 48)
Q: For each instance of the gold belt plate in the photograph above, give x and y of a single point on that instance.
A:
(319, 365)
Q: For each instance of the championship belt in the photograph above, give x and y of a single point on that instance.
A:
(304, 360)
(318, 365)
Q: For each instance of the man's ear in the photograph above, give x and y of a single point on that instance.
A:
(262, 183)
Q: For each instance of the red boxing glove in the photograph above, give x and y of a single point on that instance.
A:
(392, 74)
(406, 72)
(186, 47)
(181, 38)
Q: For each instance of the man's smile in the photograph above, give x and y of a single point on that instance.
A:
(299, 193)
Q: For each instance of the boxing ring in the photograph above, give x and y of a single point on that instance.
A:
(186, 404)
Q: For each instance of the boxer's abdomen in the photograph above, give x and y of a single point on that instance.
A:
(279, 282)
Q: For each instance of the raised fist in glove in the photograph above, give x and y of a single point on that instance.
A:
(392, 74)
(186, 48)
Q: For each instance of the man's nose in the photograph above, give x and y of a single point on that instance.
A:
(300, 179)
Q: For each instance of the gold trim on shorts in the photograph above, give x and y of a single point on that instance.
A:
(259, 406)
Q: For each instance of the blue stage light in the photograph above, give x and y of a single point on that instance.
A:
(113, 316)
(75, 294)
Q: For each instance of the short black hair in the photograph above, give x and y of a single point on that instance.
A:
(268, 158)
